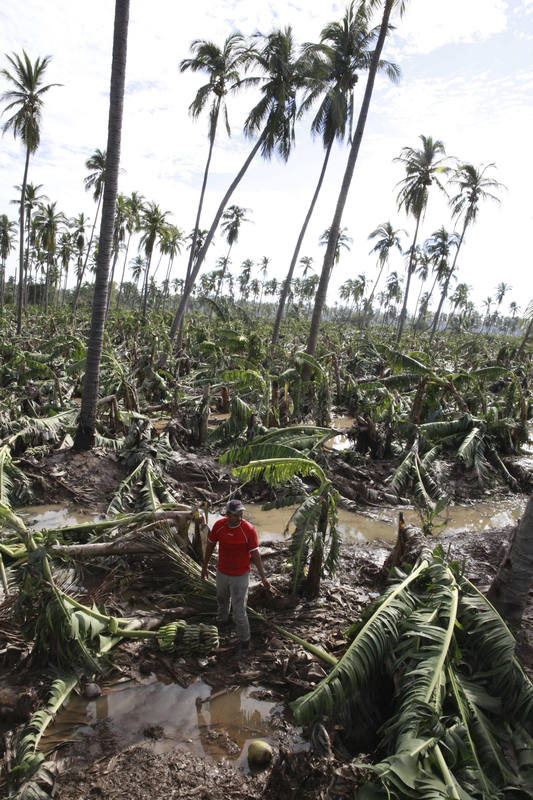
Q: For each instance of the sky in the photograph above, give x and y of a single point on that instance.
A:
(467, 79)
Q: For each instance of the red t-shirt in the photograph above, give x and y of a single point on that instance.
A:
(234, 546)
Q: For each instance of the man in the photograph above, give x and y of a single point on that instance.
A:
(237, 545)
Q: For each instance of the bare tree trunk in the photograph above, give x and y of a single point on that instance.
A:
(189, 284)
(329, 258)
(85, 433)
(288, 279)
(21, 243)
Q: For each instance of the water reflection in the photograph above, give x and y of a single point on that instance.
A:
(214, 724)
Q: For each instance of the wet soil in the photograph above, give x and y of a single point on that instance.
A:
(282, 668)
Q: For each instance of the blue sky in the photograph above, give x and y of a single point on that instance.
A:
(467, 79)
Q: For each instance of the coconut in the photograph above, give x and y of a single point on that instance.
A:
(259, 753)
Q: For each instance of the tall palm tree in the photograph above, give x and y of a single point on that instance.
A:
(344, 50)
(153, 226)
(134, 204)
(329, 258)
(94, 182)
(66, 251)
(439, 247)
(387, 239)
(244, 277)
(78, 227)
(24, 103)
(85, 433)
(33, 198)
(473, 186)
(458, 299)
(423, 167)
(170, 246)
(232, 219)
(7, 232)
(271, 120)
(47, 221)
(222, 66)
(501, 291)
(119, 234)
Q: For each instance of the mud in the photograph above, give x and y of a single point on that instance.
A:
(106, 762)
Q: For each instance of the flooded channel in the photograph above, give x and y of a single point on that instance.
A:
(161, 715)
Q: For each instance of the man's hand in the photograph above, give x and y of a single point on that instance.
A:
(266, 584)
(204, 572)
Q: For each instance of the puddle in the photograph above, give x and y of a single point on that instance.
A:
(50, 517)
(214, 724)
(342, 441)
(382, 523)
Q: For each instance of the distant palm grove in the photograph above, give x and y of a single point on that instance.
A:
(156, 267)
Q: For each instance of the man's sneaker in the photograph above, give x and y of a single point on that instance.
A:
(222, 625)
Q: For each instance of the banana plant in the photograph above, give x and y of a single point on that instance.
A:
(315, 542)
(456, 725)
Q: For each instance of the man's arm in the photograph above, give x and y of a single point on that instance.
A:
(255, 557)
(208, 553)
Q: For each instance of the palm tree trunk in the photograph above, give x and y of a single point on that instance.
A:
(110, 287)
(510, 588)
(403, 314)
(288, 279)
(123, 271)
(187, 289)
(82, 273)
(85, 433)
(21, 242)
(445, 290)
(145, 285)
(329, 258)
(368, 303)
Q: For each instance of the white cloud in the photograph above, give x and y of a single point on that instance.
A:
(427, 26)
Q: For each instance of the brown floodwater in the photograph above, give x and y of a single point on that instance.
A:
(380, 523)
(162, 715)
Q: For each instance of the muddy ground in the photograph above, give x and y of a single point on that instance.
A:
(281, 667)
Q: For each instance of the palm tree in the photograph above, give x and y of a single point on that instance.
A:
(306, 263)
(458, 299)
(388, 238)
(134, 204)
(329, 258)
(438, 248)
(244, 277)
(272, 120)
(137, 267)
(487, 304)
(422, 265)
(119, 234)
(343, 240)
(473, 187)
(153, 226)
(78, 225)
(85, 433)
(170, 246)
(223, 69)
(393, 293)
(24, 103)
(423, 168)
(333, 66)
(32, 199)
(94, 181)
(501, 291)
(7, 231)
(66, 251)
(47, 221)
(232, 220)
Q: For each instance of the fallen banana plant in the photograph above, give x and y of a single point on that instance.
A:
(461, 705)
